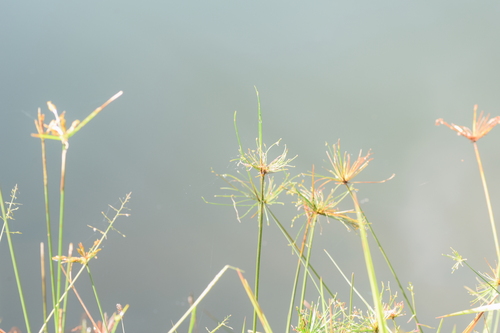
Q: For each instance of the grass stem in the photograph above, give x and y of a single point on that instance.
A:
(379, 310)
(6, 215)
(488, 204)
(64, 152)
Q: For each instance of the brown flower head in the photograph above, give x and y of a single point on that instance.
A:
(480, 126)
(342, 169)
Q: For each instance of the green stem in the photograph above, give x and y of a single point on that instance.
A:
(260, 215)
(295, 283)
(5, 219)
(200, 298)
(309, 251)
(299, 254)
(259, 248)
(412, 309)
(488, 204)
(43, 278)
(192, 321)
(292, 300)
(97, 299)
(94, 113)
(302, 259)
(63, 296)
(60, 323)
(49, 230)
(260, 118)
(379, 311)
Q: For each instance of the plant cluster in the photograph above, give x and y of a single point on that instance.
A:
(254, 189)
(62, 277)
(262, 178)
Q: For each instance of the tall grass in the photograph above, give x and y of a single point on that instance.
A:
(320, 196)
(62, 279)
(260, 182)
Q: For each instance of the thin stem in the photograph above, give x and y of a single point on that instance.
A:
(64, 295)
(94, 113)
(192, 321)
(202, 295)
(5, 219)
(312, 222)
(260, 118)
(259, 247)
(61, 229)
(298, 253)
(488, 204)
(97, 299)
(412, 309)
(379, 311)
(68, 276)
(44, 282)
(39, 126)
(118, 212)
(296, 279)
(294, 292)
(260, 215)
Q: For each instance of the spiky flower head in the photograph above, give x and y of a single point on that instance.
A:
(342, 169)
(314, 202)
(258, 159)
(481, 126)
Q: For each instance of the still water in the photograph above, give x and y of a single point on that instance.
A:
(376, 75)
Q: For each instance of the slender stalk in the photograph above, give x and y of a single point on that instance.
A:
(351, 293)
(202, 295)
(298, 252)
(61, 229)
(296, 280)
(259, 249)
(68, 276)
(97, 299)
(67, 280)
(488, 204)
(255, 304)
(5, 219)
(312, 221)
(94, 249)
(119, 319)
(260, 214)
(40, 129)
(379, 310)
(292, 299)
(409, 304)
(260, 118)
(350, 282)
(192, 321)
(94, 113)
(64, 295)
(44, 282)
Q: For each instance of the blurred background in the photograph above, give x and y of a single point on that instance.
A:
(375, 74)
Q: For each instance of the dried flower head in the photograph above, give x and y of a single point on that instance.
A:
(480, 126)
(342, 169)
(56, 129)
(314, 202)
(85, 256)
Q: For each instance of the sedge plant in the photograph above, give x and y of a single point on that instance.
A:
(57, 129)
(487, 292)
(255, 188)
(315, 201)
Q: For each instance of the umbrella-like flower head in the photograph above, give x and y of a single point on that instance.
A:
(481, 126)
